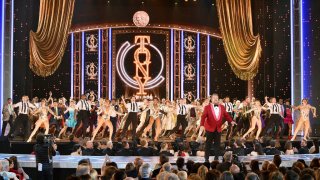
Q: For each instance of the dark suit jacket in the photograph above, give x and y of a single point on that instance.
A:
(108, 151)
(87, 152)
(143, 151)
(210, 121)
(272, 151)
(225, 166)
(167, 153)
(125, 152)
(303, 150)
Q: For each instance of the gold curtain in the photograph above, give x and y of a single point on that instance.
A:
(47, 45)
(243, 49)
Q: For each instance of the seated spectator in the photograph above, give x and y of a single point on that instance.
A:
(119, 175)
(145, 171)
(183, 152)
(94, 175)
(194, 177)
(214, 164)
(271, 150)
(288, 149)
(254, 166)
(162, 175)
(162, 160)
(277, 160)
(83, 169)
(226, 175)
(125, 151)
(239, 148)
(252, 176)
(129, 169)
(315, 164)
(17, 168)
(109, 149)
(272, 168)
(304, 148)
(69, 145)
(315, 147)
(4, 170)
(107, 172)
(144, 150)
(164, 149)
(182, 175)
(291, 175)
(189, 166)
(202, 171)
(77, 151)
(88, 150)
(180, 164)
(257, 150)
(265, 165)
(166, 167)
(276, 175)
(213, 175)
(227, 162)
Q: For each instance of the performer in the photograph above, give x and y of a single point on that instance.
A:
(144, 118)
(288, 118)
(22, 124)
(114, 117)
(104, 120)
(229, 108)
(8, 116)
(182, 110)
(71, 121)
(83, 115)
(192, 118)
(275, 116)
(43, 119)
(169, 118)
(256, 119)
(304, 120)
(55, 121)
(211, 120)
(154, 118)
(133, 109)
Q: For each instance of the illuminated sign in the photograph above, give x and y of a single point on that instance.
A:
(141, 80)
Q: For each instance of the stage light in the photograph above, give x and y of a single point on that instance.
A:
(110, 62)
(72, 60)
(208, 65)
(11, 60)
(99, 63)
(2, 58)
(292, 55)
(182, 64)
(198, 65)
(171, 63)
(301, 49)
(82, 64)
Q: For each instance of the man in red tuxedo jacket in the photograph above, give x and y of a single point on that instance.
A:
(211, 119)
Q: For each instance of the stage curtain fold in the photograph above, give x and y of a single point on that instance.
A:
(243, 49)
(47, 45)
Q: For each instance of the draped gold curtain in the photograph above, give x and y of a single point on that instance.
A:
(243, 49)
(47, 45)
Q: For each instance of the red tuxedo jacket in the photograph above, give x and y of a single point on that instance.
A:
(209, 120)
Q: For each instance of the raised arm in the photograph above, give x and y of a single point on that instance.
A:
(313, 110)
(249, 111)
(51, 112)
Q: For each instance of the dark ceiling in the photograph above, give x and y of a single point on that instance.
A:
(197, 14)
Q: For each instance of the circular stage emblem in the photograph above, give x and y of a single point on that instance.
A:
(141, 80)
(140, 19)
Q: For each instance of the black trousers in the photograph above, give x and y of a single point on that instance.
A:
(45, 174)
(230, 127)
(132, 119)
(22, 126)
(4, 125)
(83, 121)
(216, 137)
(273, 122)
(114, 121)
(181, 120)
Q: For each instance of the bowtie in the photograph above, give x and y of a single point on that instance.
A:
(216, 105)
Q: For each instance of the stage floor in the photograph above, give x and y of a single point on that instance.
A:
(67, 162)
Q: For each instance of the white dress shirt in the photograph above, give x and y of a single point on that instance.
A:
(216, 110)
(275, 108)
(134, 106)
(24, 107)
(228, 106)
(83, 105)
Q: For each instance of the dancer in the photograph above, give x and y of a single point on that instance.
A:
(304, 119)
(104, 120)
(133, 109)
(255, 119)
(71, 121)
(84, 108)
(22, 124)
(8, 116)
(168, 118)
(43, 118)
(211, 120)
(144, 117)
(275, 116)
(154, 118)
(229, 108)
(288, 118)
(56, 121)
(192, 118)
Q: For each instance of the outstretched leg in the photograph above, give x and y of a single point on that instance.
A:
(38, 123)
(100, 123)
(253, 125)
(110, 126)
(297, 129)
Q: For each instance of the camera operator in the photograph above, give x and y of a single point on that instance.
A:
(44, 151)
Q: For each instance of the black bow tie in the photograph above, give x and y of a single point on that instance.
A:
(216, 105)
